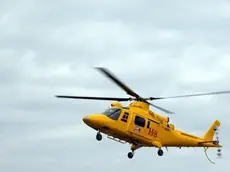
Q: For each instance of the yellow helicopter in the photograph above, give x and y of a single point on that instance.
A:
(137, 125)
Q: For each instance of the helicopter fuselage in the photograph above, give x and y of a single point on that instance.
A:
(139, 126)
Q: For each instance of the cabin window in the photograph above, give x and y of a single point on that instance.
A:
(125, 117)
(139, 121)
(148, 125)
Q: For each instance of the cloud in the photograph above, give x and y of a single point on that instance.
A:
(158, 48)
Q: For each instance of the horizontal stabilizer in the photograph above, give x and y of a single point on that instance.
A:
(209, 141)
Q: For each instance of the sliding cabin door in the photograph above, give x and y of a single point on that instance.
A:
(137, 127)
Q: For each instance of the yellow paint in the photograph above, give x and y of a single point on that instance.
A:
(159, 133)
(116, 104)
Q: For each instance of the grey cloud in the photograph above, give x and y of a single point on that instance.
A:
(158, 48)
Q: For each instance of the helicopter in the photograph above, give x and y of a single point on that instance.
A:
(139, 126)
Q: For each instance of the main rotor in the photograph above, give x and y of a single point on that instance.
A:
(134, 95)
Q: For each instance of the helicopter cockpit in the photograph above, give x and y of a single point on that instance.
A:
(112, 113)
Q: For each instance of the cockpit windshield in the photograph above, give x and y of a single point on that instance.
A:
(112, 113)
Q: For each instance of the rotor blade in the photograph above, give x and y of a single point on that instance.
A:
(95, 98)
(117, 81)
(164, 110)
(191, 95)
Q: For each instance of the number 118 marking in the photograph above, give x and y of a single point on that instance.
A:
(153, 132)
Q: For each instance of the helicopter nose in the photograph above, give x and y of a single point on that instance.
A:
(90, 119)
(86, 119)
(94, 121)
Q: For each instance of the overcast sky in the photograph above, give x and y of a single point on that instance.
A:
(158, 48)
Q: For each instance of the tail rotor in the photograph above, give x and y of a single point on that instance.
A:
(219, 152)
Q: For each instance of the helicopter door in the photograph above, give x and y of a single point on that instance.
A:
(124, 119)
(137, 125)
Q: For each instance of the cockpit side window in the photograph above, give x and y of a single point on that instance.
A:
(110, 111)
(113, 113)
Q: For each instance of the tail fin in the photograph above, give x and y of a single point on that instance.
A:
(211, 131)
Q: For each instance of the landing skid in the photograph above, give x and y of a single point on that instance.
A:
(116, 139)
(99, 138)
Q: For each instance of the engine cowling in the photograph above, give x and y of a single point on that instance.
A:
(172, 127)
(159, 117)
(116, 104)
(162, 118)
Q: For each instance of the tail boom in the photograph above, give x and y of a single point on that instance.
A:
(183, 139)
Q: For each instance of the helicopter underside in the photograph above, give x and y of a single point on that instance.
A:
(135, 144)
